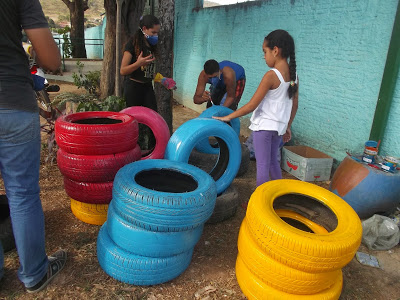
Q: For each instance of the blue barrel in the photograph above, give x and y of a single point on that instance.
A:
(368, 190)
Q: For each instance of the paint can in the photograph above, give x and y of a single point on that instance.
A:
(370, 151)
(389, 163)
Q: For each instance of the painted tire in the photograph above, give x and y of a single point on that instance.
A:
(304, 251)
(360, 186)
(225, 205)
(314, 227)
(89, 192)
(95, 214)
(187, 136)
(135, 269)
(94, 168)
(163, 195)
(96, 133)
(206, 161)
(6, 231)
(278, 275)
(204, 146)
(156, 123)
(255, 289)
(150, 243)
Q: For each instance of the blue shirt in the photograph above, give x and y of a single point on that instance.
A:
(239, 73)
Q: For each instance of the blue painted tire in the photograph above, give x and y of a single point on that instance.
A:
(204, 146)
(163, 195)
(150, 243)
(186, 137)
(135, 269)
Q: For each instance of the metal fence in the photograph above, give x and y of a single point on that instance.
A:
(65, 43)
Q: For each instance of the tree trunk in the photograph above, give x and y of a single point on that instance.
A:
(165, 60)
(77, 14)
(131, 12)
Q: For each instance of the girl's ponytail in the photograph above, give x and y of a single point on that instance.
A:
(283, 40)
(292, 69)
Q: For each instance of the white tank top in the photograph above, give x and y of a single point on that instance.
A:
(273, 112)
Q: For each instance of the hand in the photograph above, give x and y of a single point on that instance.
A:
(206, 96)
(144, 61)
(223, 119)
(287, 136)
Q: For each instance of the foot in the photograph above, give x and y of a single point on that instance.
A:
(56, 263)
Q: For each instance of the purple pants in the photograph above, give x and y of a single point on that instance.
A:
(266, 148)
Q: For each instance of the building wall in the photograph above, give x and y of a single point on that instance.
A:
(341, 49)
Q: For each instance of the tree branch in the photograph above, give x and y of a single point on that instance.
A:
(67, 3)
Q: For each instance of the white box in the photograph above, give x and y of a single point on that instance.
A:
(306, 163)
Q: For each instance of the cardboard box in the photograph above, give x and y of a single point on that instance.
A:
(306, 163)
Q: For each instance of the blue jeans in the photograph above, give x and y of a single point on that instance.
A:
(19, 167)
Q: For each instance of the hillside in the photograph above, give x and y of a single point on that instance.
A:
(59, 13)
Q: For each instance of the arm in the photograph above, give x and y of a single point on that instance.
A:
(46, 51)
(201, 95)
(230, 82)
(265, 85)
(288, 135)
(127, 68)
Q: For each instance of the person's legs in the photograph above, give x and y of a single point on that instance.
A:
(149, 97)
(240, 84)
(19, 166)
(133, 93)
(262, 150)
(275, 168)
(149, 102)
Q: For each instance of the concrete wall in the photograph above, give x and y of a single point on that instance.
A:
(341, 49)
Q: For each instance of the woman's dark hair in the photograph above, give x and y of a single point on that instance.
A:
(211, 66)
(138, 40)
(283, 40)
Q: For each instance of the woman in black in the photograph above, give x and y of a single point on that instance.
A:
(138, 67)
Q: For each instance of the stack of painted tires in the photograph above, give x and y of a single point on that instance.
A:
(294, 241)
(196, 131)
(155, 219)
(93, 146)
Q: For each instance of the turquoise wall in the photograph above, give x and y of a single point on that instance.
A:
(341, 50)
(95, 48)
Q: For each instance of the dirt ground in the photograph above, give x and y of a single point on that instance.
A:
(211, 274)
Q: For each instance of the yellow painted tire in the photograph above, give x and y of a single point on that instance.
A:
(255, 289)
(316, 228)
(276, 274)
(95, 214)
(309, 252)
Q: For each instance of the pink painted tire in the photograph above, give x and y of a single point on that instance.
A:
(156, 123)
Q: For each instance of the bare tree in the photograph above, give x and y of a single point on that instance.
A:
(164, 63)
(77, 10)
(131, 12)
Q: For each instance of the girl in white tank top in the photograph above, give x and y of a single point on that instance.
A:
(274, 104)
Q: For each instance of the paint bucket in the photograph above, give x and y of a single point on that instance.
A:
(370, 150)
(389, 163)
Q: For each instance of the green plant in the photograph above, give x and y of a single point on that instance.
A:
(89, 102)
(66, 46)
(89, 81)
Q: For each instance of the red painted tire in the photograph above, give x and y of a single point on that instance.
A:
(156, 123)
(96, 132)
(94, 168)
(89, 192)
